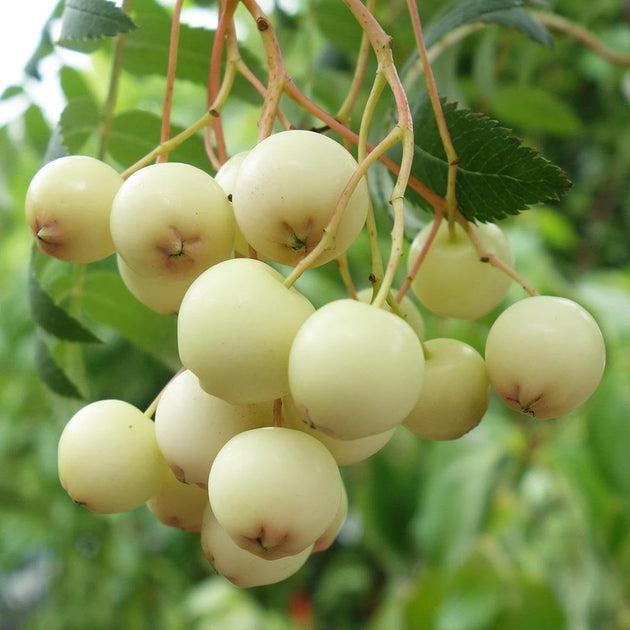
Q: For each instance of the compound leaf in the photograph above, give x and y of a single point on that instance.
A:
(498, 176)
(506, 12)
(51, 374)
(45, 46)
(534, 109)
(136, 133)
(55, 319)
(107, 300)
(147, 48)
(524, 21)
(93, 19)
(79, 119)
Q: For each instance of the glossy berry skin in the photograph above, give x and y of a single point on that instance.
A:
(274, 490)
(286, 191)
(68, 205)
(355, 370)
(235, 327)
(241, 567)
(191, 426)
(455, 391)
(408, 310)
(226, 178)
(108, 459)
(161, 295)
(452, 281)
(172, 220)
(345, 452)
(545, 356)
(178, 504)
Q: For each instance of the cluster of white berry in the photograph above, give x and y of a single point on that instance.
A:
(275, 395)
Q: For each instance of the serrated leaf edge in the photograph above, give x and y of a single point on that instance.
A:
(130, 26)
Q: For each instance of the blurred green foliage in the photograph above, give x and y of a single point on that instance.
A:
(518, 525)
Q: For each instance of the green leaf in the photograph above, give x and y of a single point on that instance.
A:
(53, 318)
(74, 84)
(36, 127)
(456, 494)
(51, 374)
(45, 45)
(609, 429)
(523, 21)
(498, 176)
(136, 133)
(11, 91)
(426, 598)
(536, 607)
(336, 24)
(389, 513)
(147, 49)
(473, 596)
(93, 19)
(107, 300)
(534, 109)
(55, 148)
(79, 120)
(506, 12)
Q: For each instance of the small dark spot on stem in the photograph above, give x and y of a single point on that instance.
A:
(230, 197)
(484, 259)
(320, 129)
(262, 24)
(372, 278)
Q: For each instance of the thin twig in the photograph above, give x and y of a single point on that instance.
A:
(413, 272)
(584, 36)
(171, 71)
(303, 101)
(112, 91)
(486, 255)
(277, 75)
(201, 123)
(345, 111)
(445, 136)
(331, 228)
(402, 132)
(344, 272)
(224, 29)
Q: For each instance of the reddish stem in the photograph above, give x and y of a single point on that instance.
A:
(165, 131)
(226, 8)
(421, 256)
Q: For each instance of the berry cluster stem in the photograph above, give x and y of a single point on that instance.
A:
(331, 229)
(112, 91)
(167, 105)
(345, 111)
(402, 132)
(438, 112)
(437, 219)
(487, 256)
(277, 74)
(201, 123)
